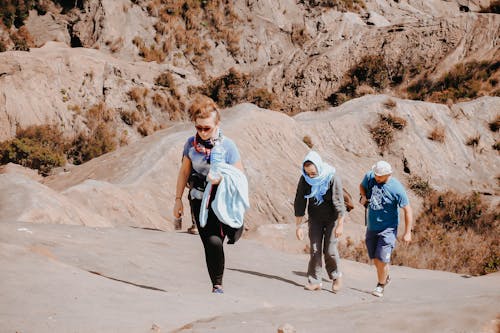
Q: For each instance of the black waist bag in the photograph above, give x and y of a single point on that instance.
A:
(197, 181)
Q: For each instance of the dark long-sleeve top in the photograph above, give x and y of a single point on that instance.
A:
(331, 207)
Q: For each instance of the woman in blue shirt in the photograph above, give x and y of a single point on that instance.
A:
(194, 172)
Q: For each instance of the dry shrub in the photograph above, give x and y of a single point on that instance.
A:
(299, 35)
(394, 121)
(340, 5)
(456, 233)
(308, 141)
(437, 134)
(494, 7)
(130, 117)
(151, 53)
(420, 186)
(473, 140)
(494, 125)
(100, 137)
(228, 90)
(233, 88)
(465, 81)
(146, 127)
(166, 80)
(116, 45)
(383, 135)
(99, 113)
(496, 146)
(139, 94)
(37, 147)
(353, 250)
(390, 103)
(383, 131)
(183, 25)
(371, 70)
(264, 99)
(98, 141)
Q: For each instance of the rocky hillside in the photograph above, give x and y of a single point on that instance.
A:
(142, 60)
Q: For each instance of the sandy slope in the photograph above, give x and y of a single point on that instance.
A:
(47, 287)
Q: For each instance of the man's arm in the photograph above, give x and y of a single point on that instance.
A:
(408, 223)
(362, 193)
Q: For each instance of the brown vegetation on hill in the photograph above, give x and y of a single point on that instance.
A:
(383, 131)
(36, 147)
(44, 147)
(234, 88)
(182, 25)
(340, 5)
(454, 232)
(465, 81)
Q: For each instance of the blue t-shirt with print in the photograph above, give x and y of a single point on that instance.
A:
(385, 201)
(200, 161)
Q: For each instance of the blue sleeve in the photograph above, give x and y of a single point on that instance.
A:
(232, 153)
(402, 197)
(366, 181)
(187, 146)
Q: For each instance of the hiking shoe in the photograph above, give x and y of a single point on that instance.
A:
(378, 291)
(313, 286)
(217, 290)
(193, 230)
(337, 284)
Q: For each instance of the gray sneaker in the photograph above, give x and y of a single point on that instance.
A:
(378, 291)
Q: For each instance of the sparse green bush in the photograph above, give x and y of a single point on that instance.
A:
(36, 147)
(496, 146)
(101, 140)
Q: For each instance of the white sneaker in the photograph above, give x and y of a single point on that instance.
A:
(378, 291)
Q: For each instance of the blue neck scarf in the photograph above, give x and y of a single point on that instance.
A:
(320, 183)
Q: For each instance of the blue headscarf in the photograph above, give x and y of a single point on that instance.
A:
(320, 183)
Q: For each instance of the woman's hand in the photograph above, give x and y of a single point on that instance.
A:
(178, 208)
(214, 180)
(339, 230)
(299, 233)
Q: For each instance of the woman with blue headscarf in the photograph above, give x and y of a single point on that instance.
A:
(320, 190)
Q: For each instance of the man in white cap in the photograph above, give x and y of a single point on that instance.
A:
(383, 195)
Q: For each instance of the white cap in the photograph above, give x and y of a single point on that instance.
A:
(382, 168)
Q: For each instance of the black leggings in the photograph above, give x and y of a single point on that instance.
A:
(212, 236)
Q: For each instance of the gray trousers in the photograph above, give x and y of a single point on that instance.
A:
(323, 241)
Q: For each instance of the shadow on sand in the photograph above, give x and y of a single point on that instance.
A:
(267, 276)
